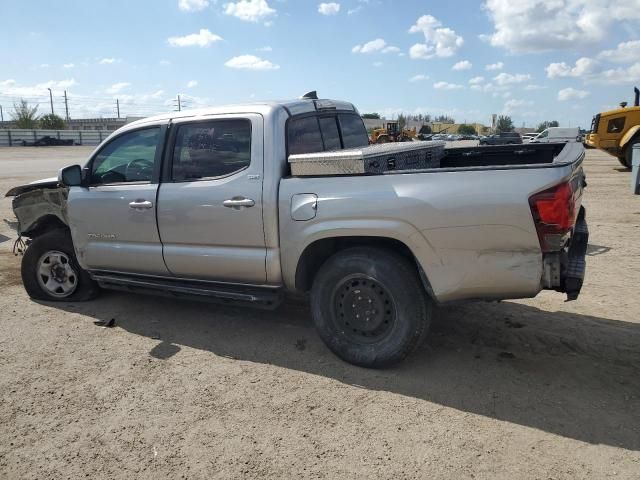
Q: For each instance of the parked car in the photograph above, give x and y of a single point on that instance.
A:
(48, 141)
(558, 134)
(204, 204)
(527, 137)
(503, 138)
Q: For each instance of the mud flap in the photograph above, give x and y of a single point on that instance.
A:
(573, 271)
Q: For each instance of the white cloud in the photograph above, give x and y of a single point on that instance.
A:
(44, 65)
(390, 49)
(584, 66)
(626, 52)
(447, 86)
(370, 47)
(250, 62)
(108, 61)
(535, 26)
(331, 8)
(12, 88)
(250, 10)
(494, 66)
(462, 65)
(508, 79)
(532, 87)
(192, 5)
(513, 106)
(351, 11)
(68, 65)
(476, 80)
(418, 78)
(192, 83)
(203, 38)
(165, 62)
(615, 76)
(264, 49)
(571, 94)
(117, 87)
(378, 64)
(439, 41)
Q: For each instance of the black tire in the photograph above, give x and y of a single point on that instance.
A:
(371, 278)
(77, 285)
(627, 161)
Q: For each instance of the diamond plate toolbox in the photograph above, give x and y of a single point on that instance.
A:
(387, 157)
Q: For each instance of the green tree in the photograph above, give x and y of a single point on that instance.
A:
(504, 124)
(544, 125)
(52, 121)
(25, 115)
(402, 121)
(372, 116)
(466, 130)
(444, 119)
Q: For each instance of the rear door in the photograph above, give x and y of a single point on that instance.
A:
(113, 218)
(210, 201)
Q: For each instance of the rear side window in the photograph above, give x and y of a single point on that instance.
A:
(325, 133)
(353, 132)
(211, 149)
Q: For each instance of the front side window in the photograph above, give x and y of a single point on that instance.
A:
(216, 148)
(544, 134)
(127, 158)
(615, 125)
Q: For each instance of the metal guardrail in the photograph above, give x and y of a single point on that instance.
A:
(16, 137)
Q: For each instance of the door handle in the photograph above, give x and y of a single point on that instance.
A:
(141, 204)
(238, 202)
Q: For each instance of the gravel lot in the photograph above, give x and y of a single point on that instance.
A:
(528, 389)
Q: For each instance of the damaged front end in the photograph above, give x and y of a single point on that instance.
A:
(39, 206)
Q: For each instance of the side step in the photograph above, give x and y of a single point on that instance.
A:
(258, 297)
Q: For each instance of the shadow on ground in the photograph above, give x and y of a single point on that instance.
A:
(568, 374)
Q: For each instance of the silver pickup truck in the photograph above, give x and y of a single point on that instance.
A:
(204, 204)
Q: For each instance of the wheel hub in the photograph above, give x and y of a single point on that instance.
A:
(364, 309)
(55, 274)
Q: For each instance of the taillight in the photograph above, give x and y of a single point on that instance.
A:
(554, 214)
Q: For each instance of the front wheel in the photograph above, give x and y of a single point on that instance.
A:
(369, 306)
(51, 272)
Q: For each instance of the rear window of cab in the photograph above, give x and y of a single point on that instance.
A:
(323, 133)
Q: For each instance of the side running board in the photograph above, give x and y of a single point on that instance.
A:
(267, 298)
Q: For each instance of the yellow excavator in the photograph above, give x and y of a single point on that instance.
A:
(391, 133)
(617, 131)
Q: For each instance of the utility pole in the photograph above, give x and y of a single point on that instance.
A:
(51, 100)
(179, 105)
(1, 115)
(66, 105)
(118, 107)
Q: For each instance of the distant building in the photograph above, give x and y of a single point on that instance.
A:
(436, 127)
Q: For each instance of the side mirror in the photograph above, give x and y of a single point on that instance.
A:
(70, 176)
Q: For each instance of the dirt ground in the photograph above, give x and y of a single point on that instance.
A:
(538, 389)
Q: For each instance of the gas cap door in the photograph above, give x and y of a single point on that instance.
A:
(304, 206)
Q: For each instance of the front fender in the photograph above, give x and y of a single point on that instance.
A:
(626, 138)
(33, 207)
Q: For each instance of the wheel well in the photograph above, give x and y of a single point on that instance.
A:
(319, 251)
(43, 225)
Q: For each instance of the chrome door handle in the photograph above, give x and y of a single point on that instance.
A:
(141, 204)
(238, 202)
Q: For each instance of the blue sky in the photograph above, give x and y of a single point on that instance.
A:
(551, 59)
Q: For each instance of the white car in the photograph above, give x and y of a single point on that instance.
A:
(558, 134)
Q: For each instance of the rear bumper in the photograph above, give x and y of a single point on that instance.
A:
(564, 271)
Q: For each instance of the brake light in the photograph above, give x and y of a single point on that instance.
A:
(554, 214)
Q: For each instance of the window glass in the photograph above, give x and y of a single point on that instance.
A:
(304, 136)
(353, 132)
(615, 125)
(330, 134)
(544, 134)
(127, 158)
(211, 149)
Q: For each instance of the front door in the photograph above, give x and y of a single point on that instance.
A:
(210, 200)
(113, 218)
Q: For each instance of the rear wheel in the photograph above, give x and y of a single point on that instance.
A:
(369, 306)
(627, 161)
(51, 272)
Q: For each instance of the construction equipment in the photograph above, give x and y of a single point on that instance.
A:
(391, 133)
(617, 131)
